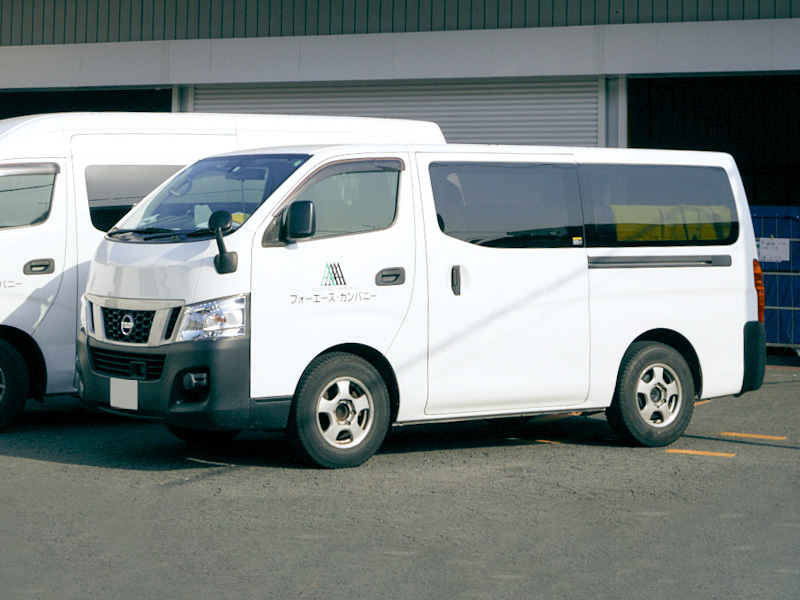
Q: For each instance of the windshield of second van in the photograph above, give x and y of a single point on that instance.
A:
(181, 209)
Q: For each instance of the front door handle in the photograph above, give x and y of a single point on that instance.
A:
(40, 266)
(455, 280)
(393, 276)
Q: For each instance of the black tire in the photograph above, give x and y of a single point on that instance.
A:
(14, 383)
(204, 438)
(340, 414)
(654, 398)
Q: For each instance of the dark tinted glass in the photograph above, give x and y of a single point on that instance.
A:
(508, 205)
(647, 205)
(113, 189)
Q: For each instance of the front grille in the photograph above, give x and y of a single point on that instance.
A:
(137, 323)
(173, 319)
(127, 365)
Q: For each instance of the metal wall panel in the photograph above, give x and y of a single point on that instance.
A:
(541, 111)
(26, 22)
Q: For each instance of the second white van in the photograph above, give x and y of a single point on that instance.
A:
(65, 179)
(365, 286)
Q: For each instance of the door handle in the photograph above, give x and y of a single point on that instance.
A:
(393, 276)
(39, 266)
(455, 280)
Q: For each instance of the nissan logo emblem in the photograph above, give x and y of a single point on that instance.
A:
(127, 324)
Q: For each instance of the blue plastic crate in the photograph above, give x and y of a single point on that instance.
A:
(781, 278)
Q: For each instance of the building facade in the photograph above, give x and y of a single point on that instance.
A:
(695, 74)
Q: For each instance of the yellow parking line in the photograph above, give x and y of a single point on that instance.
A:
(701, 453)
(702, 402)
(754, 436)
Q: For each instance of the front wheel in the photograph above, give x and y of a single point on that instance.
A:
(654, 398)
(340, 415)
(14, 383)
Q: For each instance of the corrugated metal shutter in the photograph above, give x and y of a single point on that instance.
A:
(530, 111)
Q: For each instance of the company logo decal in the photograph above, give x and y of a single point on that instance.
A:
(333, 275)
(127, 324)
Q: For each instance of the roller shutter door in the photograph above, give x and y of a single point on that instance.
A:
(529, 111)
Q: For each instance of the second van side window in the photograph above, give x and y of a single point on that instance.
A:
(353, 197)
(114, 189)
(657, 205)
(26, 192)
(508, 205)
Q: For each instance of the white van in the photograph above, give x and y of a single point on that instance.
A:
(67, 178)
(364, 286)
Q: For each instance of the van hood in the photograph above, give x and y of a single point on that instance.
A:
(149, 271)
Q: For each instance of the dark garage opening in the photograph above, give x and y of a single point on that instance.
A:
(757, 120)
(16, 104)
(754, 118)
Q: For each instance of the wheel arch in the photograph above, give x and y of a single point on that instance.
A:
(681, 345)
(380, 363)
(33, 357)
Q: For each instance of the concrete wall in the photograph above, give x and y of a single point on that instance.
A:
(668, 48)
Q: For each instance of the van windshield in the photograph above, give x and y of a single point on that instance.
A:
(180, 210)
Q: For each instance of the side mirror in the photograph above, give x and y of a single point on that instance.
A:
(221, 222)
(301, 221)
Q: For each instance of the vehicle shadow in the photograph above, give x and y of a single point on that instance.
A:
(70, 434)
(547, 429)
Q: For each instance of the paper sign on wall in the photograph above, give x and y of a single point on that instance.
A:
(773, 249)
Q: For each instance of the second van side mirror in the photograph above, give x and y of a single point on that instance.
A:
(221, 222)
(301, 221)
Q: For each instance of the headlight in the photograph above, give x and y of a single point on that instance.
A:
(223, 318)
(86, 315)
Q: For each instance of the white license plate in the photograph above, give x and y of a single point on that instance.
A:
(124, 393)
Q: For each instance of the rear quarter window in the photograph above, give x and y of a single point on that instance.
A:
(113, 190)
(656, 205)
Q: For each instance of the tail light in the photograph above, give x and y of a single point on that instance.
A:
(758, 277)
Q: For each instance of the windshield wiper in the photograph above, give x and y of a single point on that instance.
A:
(173, 232)
(199, 232)
(154, 233)
(140, 231)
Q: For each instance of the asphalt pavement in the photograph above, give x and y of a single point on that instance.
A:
(97, 506)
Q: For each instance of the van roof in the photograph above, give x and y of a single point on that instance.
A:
(142, 121)
(580, 154)
(65, 124)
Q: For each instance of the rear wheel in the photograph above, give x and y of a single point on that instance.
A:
(14, 383)
(341, 411)
(654, 399)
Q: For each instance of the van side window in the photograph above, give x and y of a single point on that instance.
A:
(26, 193)
(114, 189)
(655, 205)
(508, 205)
(353, 197)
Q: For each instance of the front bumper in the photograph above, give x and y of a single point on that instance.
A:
(223, 403)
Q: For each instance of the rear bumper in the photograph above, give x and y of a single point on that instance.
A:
(755, 356)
